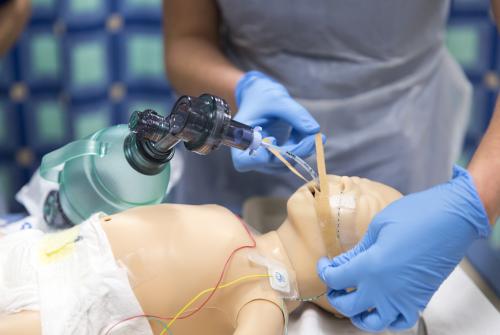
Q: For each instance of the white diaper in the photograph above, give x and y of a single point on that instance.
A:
(18, 284)
(73, 278)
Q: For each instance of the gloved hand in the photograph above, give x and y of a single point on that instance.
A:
(410, 248)
(264, 102)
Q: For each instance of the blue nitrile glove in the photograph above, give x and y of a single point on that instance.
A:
(264, 102)
(410, 248)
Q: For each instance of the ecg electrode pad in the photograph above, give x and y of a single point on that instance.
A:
(280, 279)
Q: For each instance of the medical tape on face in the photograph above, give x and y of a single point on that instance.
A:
(342, 204)
(281, 280)
(322, 204)
(343, 200)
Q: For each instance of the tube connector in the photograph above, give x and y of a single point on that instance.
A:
(146, 129)
(203, 123)
(148, 125)
(257, 139)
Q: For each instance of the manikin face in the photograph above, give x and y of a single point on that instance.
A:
(354, 202)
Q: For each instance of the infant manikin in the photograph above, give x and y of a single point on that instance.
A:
(108, 274)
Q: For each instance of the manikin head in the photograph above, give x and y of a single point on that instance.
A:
(353, 201)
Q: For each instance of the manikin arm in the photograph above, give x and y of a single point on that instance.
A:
(485, 165)
(260, 317)
(25, 322)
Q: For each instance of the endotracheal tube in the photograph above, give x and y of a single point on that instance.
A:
(296, 159)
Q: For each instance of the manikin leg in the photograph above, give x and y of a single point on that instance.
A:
(25, 322)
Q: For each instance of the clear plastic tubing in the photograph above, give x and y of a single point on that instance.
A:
(306, 167)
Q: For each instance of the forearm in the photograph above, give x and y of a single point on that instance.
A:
(485, 167)
(495, 6)
(194, 61)
(13, 17)
(197, 66)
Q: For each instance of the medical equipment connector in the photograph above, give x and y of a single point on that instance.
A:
(203, 123)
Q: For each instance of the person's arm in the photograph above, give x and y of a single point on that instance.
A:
(13, 17)
(495, 6)
(485, 165)
(413, 244)
(195, 65)
(194, 61)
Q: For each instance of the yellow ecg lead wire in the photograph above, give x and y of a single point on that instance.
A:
(208, 290)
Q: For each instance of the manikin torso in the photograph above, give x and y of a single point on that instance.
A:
(172, 252)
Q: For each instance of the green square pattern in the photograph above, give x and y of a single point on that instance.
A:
(495, 236)
(137, 3)
(88, 123)
(50, 122)
(463, 43)
(3, 123)
(5, 182)
(43, 3)
(45, 56)
(79, 6)
(88, 64)
(145, 54)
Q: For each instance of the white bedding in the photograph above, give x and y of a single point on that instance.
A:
(457, 308)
